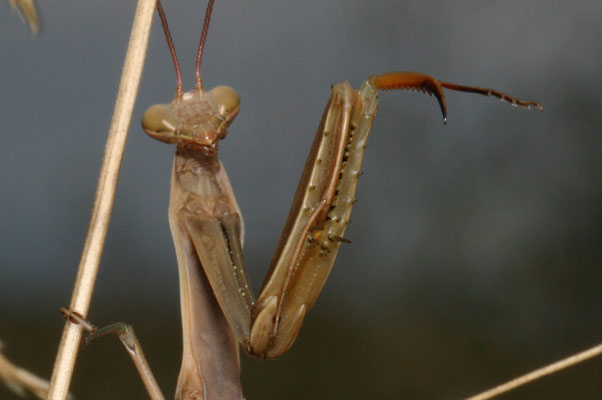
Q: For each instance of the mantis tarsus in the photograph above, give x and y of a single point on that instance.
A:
(218, 308)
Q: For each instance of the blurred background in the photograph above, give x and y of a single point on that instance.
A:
(476, 251)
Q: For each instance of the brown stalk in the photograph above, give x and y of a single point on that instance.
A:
(105, 194)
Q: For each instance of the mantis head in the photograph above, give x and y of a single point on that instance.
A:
(196, 120)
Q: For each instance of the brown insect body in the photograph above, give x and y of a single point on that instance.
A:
(218, 307)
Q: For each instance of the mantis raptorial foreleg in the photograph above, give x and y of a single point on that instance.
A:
(218, 308)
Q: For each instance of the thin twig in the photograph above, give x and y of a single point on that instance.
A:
(20, 380)
(539, 373)
(105, 194)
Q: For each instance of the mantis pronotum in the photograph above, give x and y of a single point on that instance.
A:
(218, 309)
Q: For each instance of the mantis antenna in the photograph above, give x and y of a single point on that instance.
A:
(199, 82)
(172, 50)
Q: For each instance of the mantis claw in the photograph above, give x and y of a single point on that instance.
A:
(428, 84)
(411, 81)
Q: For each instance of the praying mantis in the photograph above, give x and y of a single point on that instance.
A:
(434, 221)
(219, 311)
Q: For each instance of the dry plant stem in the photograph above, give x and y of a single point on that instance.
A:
(27, 10)
(20, 380)
(539, 373)
(88, 267)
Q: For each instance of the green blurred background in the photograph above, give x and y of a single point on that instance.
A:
(476, 251)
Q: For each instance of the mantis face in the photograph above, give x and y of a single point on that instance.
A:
(195, 121)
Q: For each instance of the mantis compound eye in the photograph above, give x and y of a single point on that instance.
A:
(226, 102)
(159, 123)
